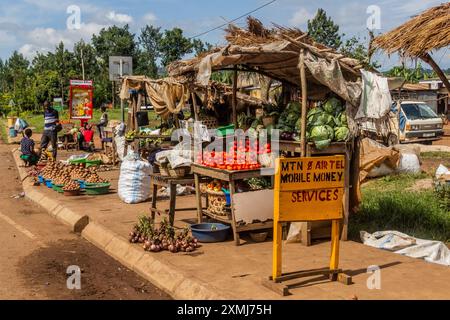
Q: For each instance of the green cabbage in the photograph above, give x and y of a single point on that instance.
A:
(341, 133)
(320, 133)
(330, 132)
(333, 106)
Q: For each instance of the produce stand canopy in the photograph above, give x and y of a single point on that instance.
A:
(419, 36)
(275, 53)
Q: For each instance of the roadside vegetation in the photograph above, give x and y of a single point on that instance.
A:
(36, 120)
(391, 203)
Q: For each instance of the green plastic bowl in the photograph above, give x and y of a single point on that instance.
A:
(92, 163)
(95, 189)
(78, 161)
(58, 188)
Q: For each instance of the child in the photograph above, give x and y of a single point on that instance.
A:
(88, 137)
(29, 156)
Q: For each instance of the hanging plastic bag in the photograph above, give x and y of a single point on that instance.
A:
(20, 125)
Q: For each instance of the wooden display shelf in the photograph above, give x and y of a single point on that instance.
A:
(200, 171)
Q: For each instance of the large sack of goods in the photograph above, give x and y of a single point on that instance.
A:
(134, 179)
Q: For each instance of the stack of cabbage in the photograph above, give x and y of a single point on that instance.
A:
(327, 123)
(324, 124)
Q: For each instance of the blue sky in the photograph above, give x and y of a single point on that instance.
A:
(38, 25)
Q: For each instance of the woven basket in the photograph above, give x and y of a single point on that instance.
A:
(163, 169)
(179, 172)
(209, 122)
(217, 202)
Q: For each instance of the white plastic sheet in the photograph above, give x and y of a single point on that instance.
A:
(397, 242)
(376, 98)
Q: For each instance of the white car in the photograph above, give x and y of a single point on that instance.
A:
(414, 122)
(419, 123)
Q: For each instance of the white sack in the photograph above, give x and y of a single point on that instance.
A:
(134, 179)
(409, 163)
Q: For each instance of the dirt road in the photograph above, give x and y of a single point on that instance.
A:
(36, 251)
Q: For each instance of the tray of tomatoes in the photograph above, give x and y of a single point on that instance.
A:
(239, 156)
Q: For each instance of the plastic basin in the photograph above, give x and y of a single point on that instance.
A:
(210, 232)
(58, 188)
(97, 188)
(81, 183)
(41, 179)
(78, 161)
(49, 183)
(224, 131)
(91, 163)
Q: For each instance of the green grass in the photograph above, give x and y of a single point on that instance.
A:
(37, 120)
(387, 205)
(435, 155)
(3, 133)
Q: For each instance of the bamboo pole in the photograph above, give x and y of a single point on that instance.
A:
(194, 103)
(234, 98)
(304, 88)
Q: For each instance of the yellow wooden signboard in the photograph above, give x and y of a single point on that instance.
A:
(308, 189)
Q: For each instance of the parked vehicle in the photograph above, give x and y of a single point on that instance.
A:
(413, 122)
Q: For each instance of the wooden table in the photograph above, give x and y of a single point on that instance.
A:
(200, 171)
(157, 180)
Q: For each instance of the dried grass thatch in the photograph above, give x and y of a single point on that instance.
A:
(272, 52)
(420, 35)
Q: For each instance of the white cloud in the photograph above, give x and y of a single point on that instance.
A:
(30, 50)
(300, 17)
(150, 17)
(119, 17)
(47, 36)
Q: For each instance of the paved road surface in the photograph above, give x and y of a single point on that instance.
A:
(36, 250)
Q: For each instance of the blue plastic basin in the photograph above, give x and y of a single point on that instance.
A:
(210, 232)
(41, 179)
(49, 184)
(82, 184)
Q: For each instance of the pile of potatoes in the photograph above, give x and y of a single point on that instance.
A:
(62, 180)
(71, 186)
(58, 171)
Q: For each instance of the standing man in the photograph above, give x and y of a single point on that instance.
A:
(103, 121)
(51, 122)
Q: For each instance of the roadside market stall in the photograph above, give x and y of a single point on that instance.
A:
(320, 85)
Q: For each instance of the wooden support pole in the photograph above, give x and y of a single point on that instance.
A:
(304, 88)
(428, 59)
(194, 103)
(334, 260)
(234, 100)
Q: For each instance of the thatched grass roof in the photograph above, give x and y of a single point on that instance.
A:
(426, 32)
(272, 52)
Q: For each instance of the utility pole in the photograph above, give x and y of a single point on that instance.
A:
(82, 63)
(121, 100)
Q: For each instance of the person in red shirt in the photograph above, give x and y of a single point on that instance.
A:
(88, 136)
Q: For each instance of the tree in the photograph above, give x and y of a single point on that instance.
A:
(114, 41)
(84, 55)
(323, 30)
(200, 47)
(412, 75)
(149, 51)
(353, 48)
(174, 46)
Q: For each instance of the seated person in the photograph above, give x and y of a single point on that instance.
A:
(29, 156)
(87, 137)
